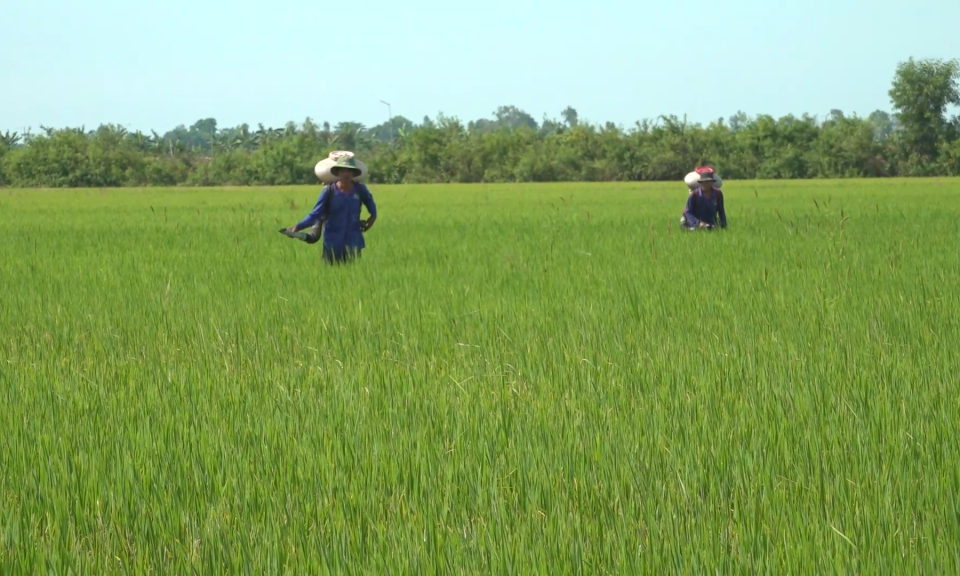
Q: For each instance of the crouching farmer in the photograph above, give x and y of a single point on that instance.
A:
(704, 207)
(337, 211)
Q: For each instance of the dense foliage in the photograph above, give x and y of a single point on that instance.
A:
(918, 139)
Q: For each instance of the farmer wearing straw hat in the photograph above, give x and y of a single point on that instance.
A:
(704, 205)
(338, 211)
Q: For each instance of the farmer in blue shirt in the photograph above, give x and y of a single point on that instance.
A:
(704, 205)
(338, 211)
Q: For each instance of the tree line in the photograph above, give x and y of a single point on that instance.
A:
(919, 138)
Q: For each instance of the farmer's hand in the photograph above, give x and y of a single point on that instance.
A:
(368, 224)
(292, 228)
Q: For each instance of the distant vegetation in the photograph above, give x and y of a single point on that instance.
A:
(921, 137)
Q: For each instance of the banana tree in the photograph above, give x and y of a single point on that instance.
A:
(349, 134)
(155, 143)
(9, 140)
(243, 139)
(140, 141)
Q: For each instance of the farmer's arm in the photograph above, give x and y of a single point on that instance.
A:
(688, 212)
(371, 207)
(314, 215)
(370, 204)
(721, 211)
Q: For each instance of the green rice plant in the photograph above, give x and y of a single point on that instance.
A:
(524, 379)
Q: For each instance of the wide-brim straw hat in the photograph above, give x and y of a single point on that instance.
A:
(707, 177)
(692, 180)
(324, 168)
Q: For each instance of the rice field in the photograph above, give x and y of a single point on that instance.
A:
(526, 379)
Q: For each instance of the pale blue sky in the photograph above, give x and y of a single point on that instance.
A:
(155, 64)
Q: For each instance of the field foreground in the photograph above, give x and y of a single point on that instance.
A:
(526, 379)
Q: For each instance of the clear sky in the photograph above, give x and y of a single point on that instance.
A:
(150, 64)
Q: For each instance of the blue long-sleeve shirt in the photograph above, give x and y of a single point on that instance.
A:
(702, 208)
(342, 225)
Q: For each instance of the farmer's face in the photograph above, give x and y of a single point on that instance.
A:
(707, 186)
(345, 175)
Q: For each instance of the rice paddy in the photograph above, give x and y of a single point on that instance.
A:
(525, 379)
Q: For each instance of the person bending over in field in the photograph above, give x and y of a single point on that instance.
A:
(704, 206)
(337, 212)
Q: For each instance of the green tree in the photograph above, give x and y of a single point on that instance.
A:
(883, 124)
(921, 93)
(513, 117)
